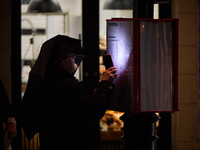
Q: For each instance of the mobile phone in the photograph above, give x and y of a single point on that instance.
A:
(107, 61)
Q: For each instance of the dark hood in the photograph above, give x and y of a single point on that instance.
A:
(54, 51)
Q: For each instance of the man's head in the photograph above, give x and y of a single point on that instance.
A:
(67, 54)
(69, 64)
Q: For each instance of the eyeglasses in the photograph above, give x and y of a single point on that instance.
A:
(75, 55)
(71, 55)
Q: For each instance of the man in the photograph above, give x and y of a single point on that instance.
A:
(62, 108)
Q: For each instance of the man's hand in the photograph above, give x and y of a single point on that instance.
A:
(110, 74)
(11, 127)
(12, 132)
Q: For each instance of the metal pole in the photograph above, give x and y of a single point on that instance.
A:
(140, 131)
(143, 8)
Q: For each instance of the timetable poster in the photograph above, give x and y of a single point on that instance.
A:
(120, 47)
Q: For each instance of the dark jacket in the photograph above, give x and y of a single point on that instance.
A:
(6, 109)
(64, 110)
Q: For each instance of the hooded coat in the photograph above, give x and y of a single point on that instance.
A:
(60, 108)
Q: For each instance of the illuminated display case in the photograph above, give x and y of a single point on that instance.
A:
(145, 53)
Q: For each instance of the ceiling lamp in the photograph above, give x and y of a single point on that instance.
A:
(118, 4)
(43, 6)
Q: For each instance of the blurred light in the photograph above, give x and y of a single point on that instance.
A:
(118, 4)
(44, 6)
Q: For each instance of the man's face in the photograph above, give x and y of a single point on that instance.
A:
(69, 63)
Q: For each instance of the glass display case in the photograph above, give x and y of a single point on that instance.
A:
(145, 53)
